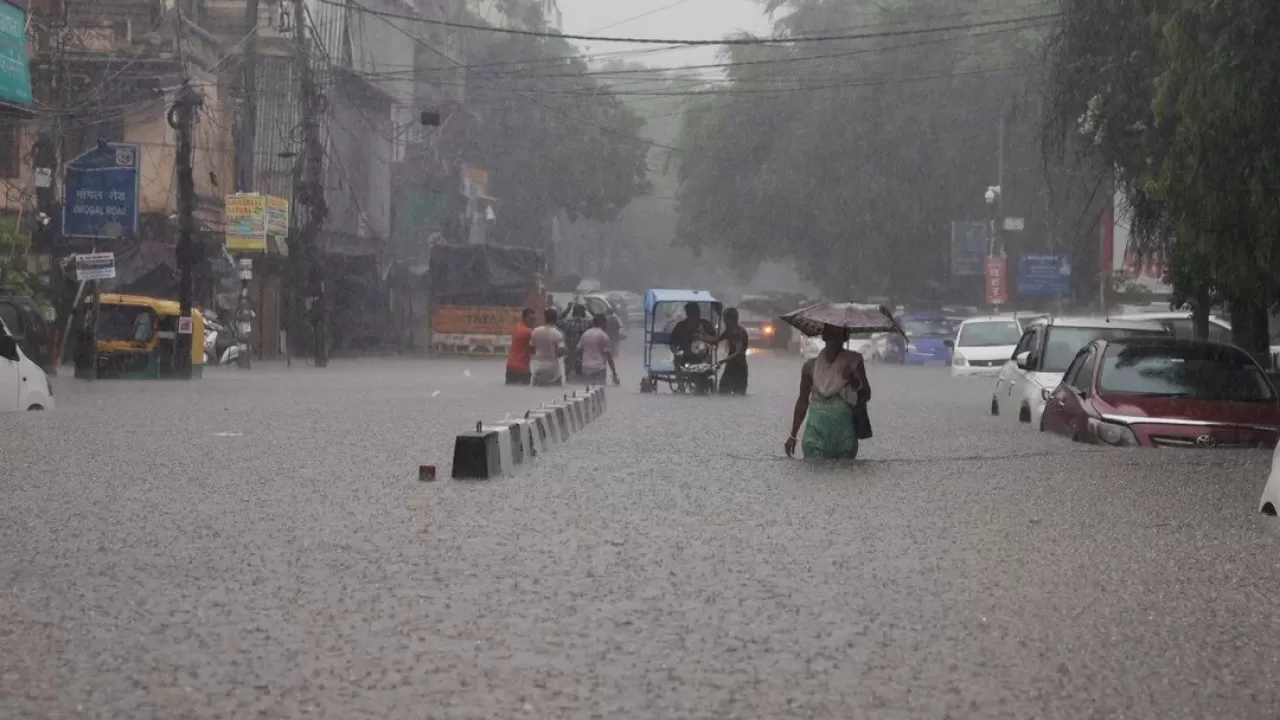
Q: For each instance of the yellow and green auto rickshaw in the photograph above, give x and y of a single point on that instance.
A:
(138, 338)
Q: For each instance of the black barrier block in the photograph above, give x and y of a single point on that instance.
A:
(476, 456)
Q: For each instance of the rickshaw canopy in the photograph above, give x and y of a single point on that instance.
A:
(653, 298)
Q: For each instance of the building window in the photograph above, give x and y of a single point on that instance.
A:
(10, 150)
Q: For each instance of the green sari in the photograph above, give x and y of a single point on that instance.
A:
(828, 430)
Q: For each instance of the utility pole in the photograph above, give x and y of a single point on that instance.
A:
(311, 192)
(246, 145)
(181, 117)
(246, 140)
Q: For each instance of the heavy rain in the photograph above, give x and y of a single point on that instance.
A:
(653, 359)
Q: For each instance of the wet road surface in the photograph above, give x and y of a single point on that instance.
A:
(257, 545)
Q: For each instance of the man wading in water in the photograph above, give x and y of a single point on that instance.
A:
(733, 381)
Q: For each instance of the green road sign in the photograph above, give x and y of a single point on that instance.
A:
(15, 71)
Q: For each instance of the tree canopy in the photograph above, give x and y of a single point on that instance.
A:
(853, 158)
(551, 137)
(1180, 97)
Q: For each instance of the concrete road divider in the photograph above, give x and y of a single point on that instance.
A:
(498, 447)
(540, 427)
(506, 454)
(476, 455)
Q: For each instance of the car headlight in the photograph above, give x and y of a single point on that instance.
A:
(767, 330)
(1113, 434)
(959, 360)
(911, 347)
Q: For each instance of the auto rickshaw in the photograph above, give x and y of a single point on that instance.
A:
(137, 338)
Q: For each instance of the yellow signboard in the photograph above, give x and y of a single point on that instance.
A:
(251, 219)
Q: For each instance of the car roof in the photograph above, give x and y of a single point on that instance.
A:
(1080, 321)
(989, 318)
(1170, 315)
(1168, 341)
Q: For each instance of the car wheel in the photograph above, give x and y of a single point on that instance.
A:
(35, 408)
(1024, 415)
(995, 407)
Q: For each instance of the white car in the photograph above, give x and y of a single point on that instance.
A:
(23, 385)
(1047, 347)
(811, 346)
(984, 345)
(1270, 504)
(1180, 323)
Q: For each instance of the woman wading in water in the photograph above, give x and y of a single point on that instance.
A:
(833, 386)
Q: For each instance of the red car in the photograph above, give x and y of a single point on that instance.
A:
(1165, 392)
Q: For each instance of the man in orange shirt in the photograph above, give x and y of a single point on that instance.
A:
(518, 372)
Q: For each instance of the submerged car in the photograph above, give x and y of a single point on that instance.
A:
(28, 326)
(1165, 392)
(1047, 347)
(23, 385)
(984, 345)
(759, 316)
(930, 338)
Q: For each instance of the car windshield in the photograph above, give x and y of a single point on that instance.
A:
(989, 334)
(125, 322)
(1204, 372)
(927, 328)
(1064, 342)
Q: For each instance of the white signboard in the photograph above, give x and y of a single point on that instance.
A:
(96, 266)
(1126, 261)
(1015, 224)
(184, 325)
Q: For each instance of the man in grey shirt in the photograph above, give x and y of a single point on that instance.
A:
(548, 347)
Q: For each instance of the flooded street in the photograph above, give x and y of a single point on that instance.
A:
(258, 544)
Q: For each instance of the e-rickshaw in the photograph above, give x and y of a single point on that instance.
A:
(663, 309)
(137, 338)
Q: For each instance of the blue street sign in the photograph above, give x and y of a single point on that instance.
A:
(102, 193)
(1044, 275)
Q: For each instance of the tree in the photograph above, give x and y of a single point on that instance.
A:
(1180, 96)
(854, 157)
(551, 137)
(14, 271)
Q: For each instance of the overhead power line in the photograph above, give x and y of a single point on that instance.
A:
(691, 42)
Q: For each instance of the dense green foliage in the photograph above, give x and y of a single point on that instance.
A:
(852, 158)
(1181, 97)
(15, 273)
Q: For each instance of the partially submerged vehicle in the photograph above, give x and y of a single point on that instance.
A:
(663, 310)
(137, 338)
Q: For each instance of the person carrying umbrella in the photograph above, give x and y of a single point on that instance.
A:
(834, 388)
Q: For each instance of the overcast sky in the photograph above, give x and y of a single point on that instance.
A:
(690, 19)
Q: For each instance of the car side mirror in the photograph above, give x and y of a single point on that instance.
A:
(1022, 360)
(9, 348)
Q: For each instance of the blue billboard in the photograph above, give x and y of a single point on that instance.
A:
(102, 193)
(970, 245)
(1044, 276)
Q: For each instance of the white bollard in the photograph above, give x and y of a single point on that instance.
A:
(548, 434)
(505, 459)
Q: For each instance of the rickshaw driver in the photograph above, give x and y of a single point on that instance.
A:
(689, 330)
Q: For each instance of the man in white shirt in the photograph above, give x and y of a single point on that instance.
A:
(597, 352)
(548, 347)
